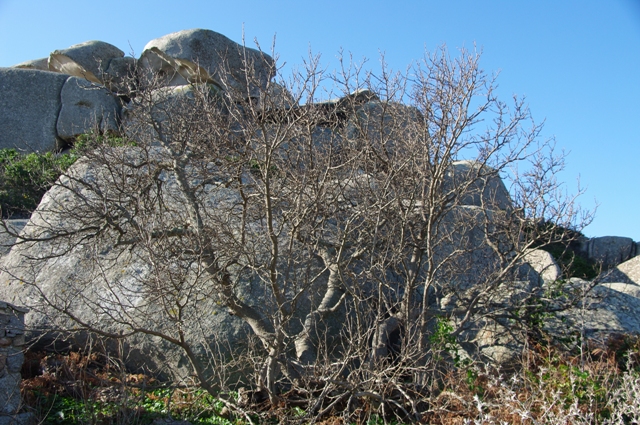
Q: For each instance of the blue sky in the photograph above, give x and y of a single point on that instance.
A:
(577, 62)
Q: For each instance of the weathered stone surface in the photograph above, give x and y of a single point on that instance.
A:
(544, 263)
(608, 250)
(477, 185)
(221, 58)
(398, 121)
(627, 272)
(86, 107)
(278, 97)
(208, 327)
(26, 418)
(10, 400)
(352, 101)
(86, 271)
(7, 235)
(88, 60)
(608, 308)
(118, 77)
(155, 64)
(40, 64)
(29, 107)
(14, 360)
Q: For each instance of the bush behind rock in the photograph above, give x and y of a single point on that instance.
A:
(25, 178)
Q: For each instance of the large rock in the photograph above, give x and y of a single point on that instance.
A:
(478, 185)
(114, 290)
(277, 97)
(223, 60)
(544, 263)
(86, 107)
(609, 251)
(39, 64)
(608, 308)
(88, 60)
(29, 106)
(627, 272)
(158, 68)
(470, 271)
(397, 120)
(119, 77)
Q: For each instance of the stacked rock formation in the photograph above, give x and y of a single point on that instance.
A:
(46, 103)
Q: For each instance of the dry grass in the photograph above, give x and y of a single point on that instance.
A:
(552, 387)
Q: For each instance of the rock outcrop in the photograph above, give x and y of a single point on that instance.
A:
(86, 108)
(8, 234)
(90, 274)
(89, 60)
(47, 103)
(99, 284)
(201, 55)
(29, 106)
(606, 309)
(627, 272)
(608, 251)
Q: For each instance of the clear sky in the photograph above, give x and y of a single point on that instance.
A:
(576, 61)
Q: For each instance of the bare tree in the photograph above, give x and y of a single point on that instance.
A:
(344, 233)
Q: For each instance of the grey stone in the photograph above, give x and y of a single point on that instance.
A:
(627, 272)
(10, 400)
(157, 65)
(544, 263)
(208, 327)
(608, 308)
(88, 60)
(29, 107)
(26, 418)
(8, 234)
(15, 358)
(479, 185)
(397, 119)
(119, 76)
(608, 250)
(83, 274)
(221, 58)
(40, 64)
(277, 97)
(171, 102)
(86, 107)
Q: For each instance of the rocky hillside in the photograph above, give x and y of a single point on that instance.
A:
(157, 233)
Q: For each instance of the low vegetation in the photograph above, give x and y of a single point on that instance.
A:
(26, 177)
(550, 386)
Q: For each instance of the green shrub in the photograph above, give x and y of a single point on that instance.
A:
(25, 178)
(574, 264)
(88, 141)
